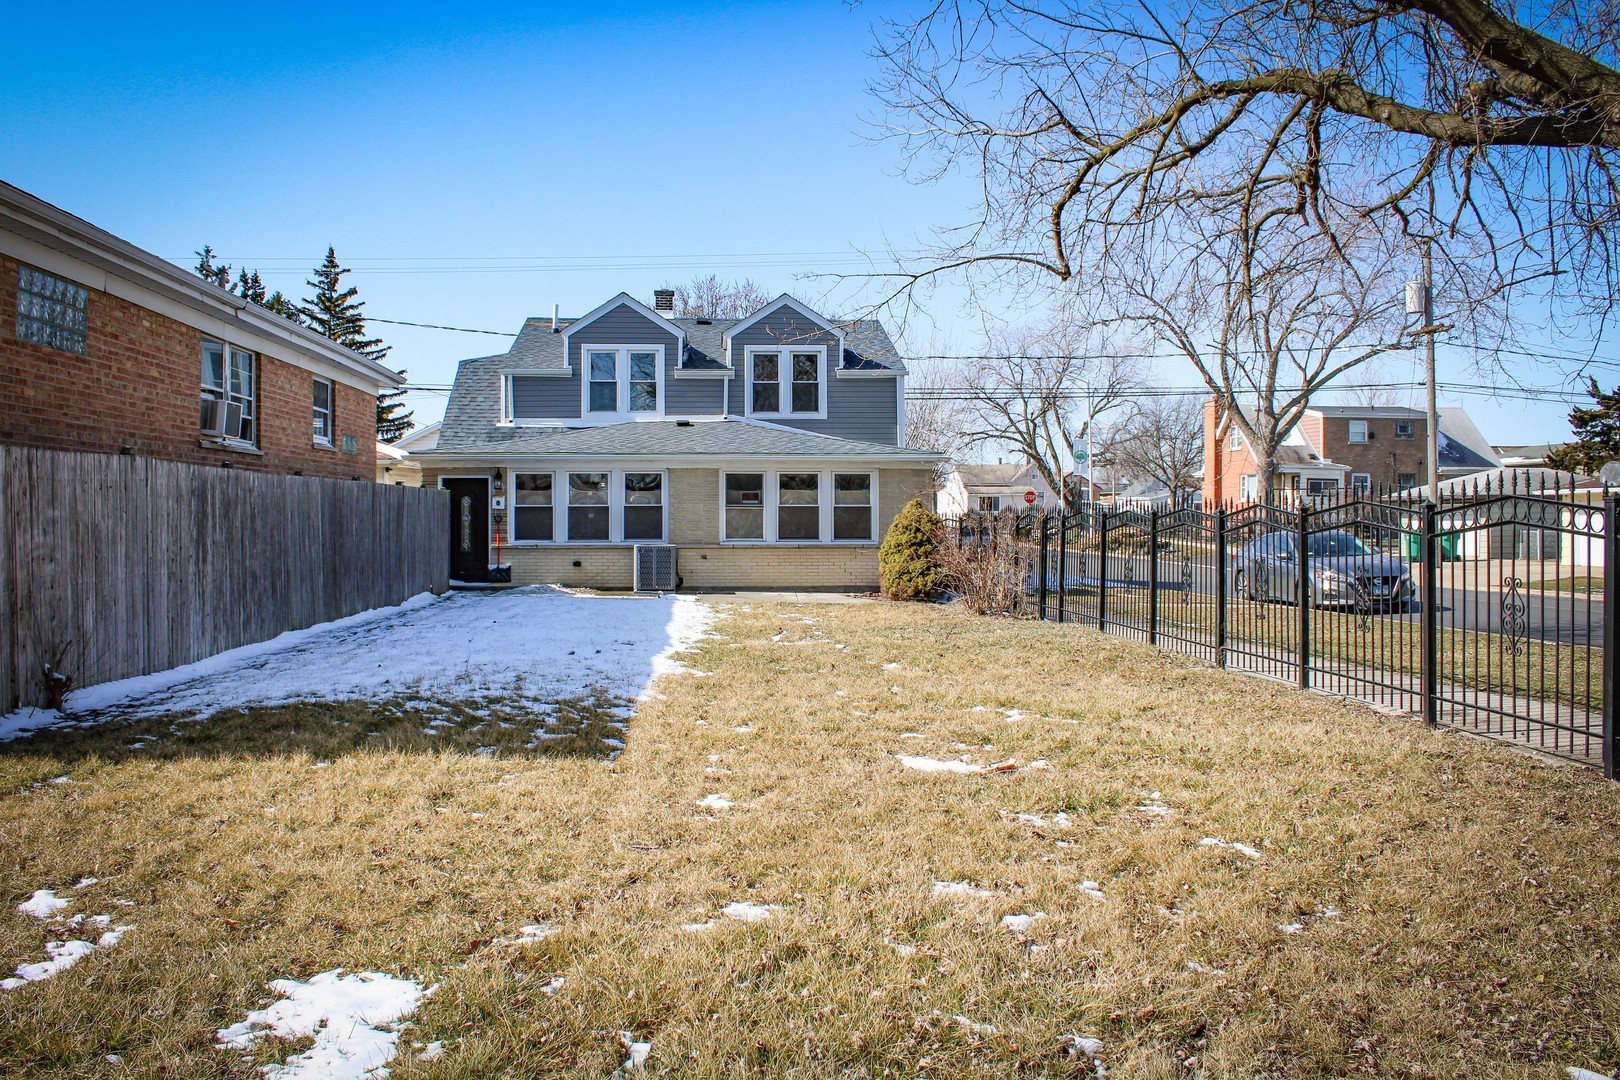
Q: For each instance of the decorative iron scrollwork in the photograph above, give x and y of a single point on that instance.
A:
(1363, 606)
(1186, 577)
(1515, 616)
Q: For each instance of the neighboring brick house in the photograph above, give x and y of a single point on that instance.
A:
(765, 452)
(1334, 447)
(105, 347)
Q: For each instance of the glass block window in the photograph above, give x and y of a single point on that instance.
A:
(50, 311)
(532, 506)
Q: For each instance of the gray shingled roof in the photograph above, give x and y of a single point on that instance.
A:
(742, 438)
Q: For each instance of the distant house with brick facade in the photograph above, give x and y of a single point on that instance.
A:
(630, 447)
(107, 348)
(1339, 447)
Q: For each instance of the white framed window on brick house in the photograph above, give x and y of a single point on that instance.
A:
(623, 380)
(50, 311)
(1248, 484)
(323, 394)
(1405, 429)
(603, 507)
(533, 505)
(799, 506)
(1361, 483)
(1357, 432)
(785, 381)
(230, 393)
(1235, 442)
(989, 504)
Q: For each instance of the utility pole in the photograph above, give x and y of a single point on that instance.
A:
(1433, 447)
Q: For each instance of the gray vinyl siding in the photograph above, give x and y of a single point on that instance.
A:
(624, 325)
(544, 397)
(694, 397)
(863, 409)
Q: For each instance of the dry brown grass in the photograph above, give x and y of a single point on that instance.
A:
(1478, 887)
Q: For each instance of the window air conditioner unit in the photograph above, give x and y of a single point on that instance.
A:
(655, 568)
(213, 416)
(233, 420)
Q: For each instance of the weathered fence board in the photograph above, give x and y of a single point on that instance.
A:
(114, 566)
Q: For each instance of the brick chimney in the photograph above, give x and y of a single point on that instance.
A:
(664, 302)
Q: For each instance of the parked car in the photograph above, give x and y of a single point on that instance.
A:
(1342, 570)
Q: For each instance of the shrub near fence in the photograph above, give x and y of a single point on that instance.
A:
(1493, 612)
(114, 566)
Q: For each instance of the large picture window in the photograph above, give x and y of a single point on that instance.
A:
(798, 506)
(745, 506)
(644, 506)
(532, 506)
(588, 509)
(786, 382)
(852, 506)
(230, 381)
(50, 311)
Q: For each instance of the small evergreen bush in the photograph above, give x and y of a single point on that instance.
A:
(906, 561)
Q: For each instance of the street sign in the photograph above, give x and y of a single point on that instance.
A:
(1029, 498)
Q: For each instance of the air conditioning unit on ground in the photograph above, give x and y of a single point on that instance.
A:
(655, 568)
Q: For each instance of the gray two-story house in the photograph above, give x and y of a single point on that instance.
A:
(764, 452)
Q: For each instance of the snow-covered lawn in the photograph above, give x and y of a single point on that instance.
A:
(530, 646)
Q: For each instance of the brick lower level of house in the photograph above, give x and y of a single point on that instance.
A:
(820, 568)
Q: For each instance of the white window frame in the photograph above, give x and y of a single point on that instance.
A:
(1417, 478)
(250, 401)
(784, 381)
(512, 507)
(621, 373)
(1248, 484)
(1234, 441)
(1411, 430)
(560, 506)
(328, 440)
(1361, 483)
(980, 500)
(770, 505)
(1350, 432)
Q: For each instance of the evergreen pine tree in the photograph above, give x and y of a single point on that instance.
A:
(334, 312)
(1597, 434)
(249, 286)
(205, 268)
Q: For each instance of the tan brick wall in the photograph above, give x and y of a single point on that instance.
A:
(1385, 457)
(138, 385)
(705, 563)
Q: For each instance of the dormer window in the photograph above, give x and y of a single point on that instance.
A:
(622, 379)
(787, 381)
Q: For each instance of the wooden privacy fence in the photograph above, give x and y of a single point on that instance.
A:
(115, 566)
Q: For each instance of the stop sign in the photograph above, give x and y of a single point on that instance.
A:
(1029, 498)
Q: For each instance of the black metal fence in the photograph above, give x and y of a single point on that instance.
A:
(1493, 611)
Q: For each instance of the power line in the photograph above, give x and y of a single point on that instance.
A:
(435, 326)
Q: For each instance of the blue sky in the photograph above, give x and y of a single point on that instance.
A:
(477, 163)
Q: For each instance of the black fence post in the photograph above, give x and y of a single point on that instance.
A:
(1063, 561)
(1429, 623)
(1101, 517)
(1611, 637)
(1153, 575)
(1220, 586)
(1046, 565)
(1302, 596)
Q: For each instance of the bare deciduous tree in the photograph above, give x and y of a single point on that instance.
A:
(1040, 392)
(1162, 441)
(711, 298)
(937, 417)
(1492, 131)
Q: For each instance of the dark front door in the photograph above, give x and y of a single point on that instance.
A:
(469, 529)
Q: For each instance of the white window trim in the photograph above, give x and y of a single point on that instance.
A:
(559, 502)
(824, 492)
(620, 414)
(512, 506)
(1350, 433)
(997, 498)
(331, 411)
(225, 392)
(1411, 430)
(1361, 481)
(784, 380)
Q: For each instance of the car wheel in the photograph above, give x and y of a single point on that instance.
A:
(1240, 584)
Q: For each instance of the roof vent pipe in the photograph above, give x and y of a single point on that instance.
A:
(554, 309)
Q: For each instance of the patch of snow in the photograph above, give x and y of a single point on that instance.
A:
(744, 729)
(891, 666)
(693, 927)
(63, 955)
(716, 802)
(922, 764)
(43, 904)
(352, 1019)
(958, 888)
(1079, 1045)
(461, 645)
(59, 779)
(1193, 965)
(637, 1061)
(433, 1051)
(746, 912)
(1060, 820)
(1092, 889)
(553, 985)
(1242, 849)
(1575, 1072)
(27, 720)
(1291, 928)
(911, 734)
(1020, 923)
(983, 1031)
